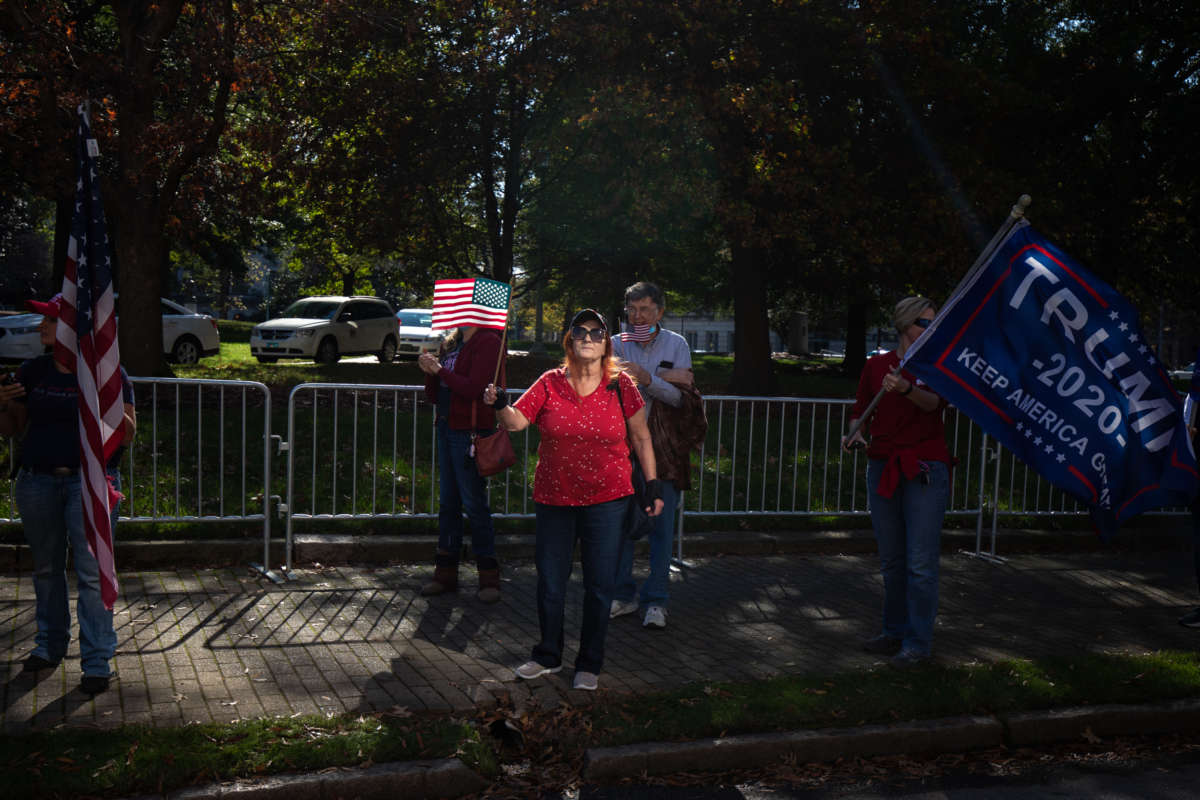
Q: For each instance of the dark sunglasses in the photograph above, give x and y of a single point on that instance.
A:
(921, 322)
(579, 333)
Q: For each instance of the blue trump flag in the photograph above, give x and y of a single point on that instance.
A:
(1051, 361)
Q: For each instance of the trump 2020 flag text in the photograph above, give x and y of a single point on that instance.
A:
(86, 343)
(1051, 361)
(470, 301)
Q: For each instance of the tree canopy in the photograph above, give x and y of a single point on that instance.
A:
(750, 156)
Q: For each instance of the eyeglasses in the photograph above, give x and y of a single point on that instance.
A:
(921, 322)
(579, 333)
(633, 311)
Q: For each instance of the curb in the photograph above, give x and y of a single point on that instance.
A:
(951, 735)
(447, 777)
(418, 548)
(606, 764)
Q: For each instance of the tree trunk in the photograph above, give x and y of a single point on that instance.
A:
(141, 251)
(856, 335)
(64, 210)
(753, 370)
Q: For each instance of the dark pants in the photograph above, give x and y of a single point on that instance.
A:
(462, 487)
(598, 530)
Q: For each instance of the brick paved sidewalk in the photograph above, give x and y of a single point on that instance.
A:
(217, 645)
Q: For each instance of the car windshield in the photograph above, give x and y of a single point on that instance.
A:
(312, 309)
(415, 318)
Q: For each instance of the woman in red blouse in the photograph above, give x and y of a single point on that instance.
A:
(581, 486)
(908, 479)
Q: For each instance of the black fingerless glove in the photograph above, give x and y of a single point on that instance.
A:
(653, 491)
(501, 399)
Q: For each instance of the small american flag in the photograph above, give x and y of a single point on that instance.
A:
(86, 342)
(637, 333)
(470, 301)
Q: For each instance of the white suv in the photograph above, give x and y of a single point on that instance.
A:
(327, 328)
(187, 337)
(416, 334)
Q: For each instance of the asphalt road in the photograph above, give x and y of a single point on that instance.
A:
(1153, 781)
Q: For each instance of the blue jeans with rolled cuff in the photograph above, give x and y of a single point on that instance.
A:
(461, 487)
(656, 588)
(598, 531)
(908, 531)
(51, 510)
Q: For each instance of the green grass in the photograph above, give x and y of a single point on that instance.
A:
(73, 762)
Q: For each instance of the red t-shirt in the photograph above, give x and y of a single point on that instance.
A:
(583, 458)
(897, 425)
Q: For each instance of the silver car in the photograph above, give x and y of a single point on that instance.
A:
(327, 328)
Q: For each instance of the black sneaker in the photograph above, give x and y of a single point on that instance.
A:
(1191, 619)
(882, 645)
(36, 663)
(907, 659)
(94, 684)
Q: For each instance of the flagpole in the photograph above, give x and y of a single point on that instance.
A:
(1014, 216)
(503, 348)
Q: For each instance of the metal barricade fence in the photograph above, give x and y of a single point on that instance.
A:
(368, 451)
(201, 454)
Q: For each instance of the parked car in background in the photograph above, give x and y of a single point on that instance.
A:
(1184, 374)
(187, 336)
(416, 334)
(327, 328)
(19, 338)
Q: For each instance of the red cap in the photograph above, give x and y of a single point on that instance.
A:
(50, 308)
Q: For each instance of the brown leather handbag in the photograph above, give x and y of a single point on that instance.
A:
(493, 453)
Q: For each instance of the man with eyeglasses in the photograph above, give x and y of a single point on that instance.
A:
(658, 359)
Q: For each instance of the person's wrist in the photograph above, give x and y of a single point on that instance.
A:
(908, 391)
(501, 401)
(653, 490)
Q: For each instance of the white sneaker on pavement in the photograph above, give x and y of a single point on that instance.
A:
(622, 607)
(532, 669)
(588, 681)
(656, 617)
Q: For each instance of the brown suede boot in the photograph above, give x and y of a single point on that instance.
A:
(489, 579)
(445, 576)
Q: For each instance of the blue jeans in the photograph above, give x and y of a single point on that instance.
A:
(461, 487)
(656, 589)
(598, 529)
(908, 530)
(52, 515)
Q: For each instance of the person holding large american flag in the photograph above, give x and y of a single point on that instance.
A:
(42, 400)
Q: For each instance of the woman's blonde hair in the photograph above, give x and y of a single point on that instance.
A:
(907, 311)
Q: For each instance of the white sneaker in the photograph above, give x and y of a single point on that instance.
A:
(532, 669)
(622, 607)
(656, 617)
(588, 681)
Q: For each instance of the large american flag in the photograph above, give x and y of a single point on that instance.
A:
(86, 343)
(470, 301)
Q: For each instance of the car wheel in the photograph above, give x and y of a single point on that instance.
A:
(327, 351)
(387, 353)
(186, 350)
(266, 359)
